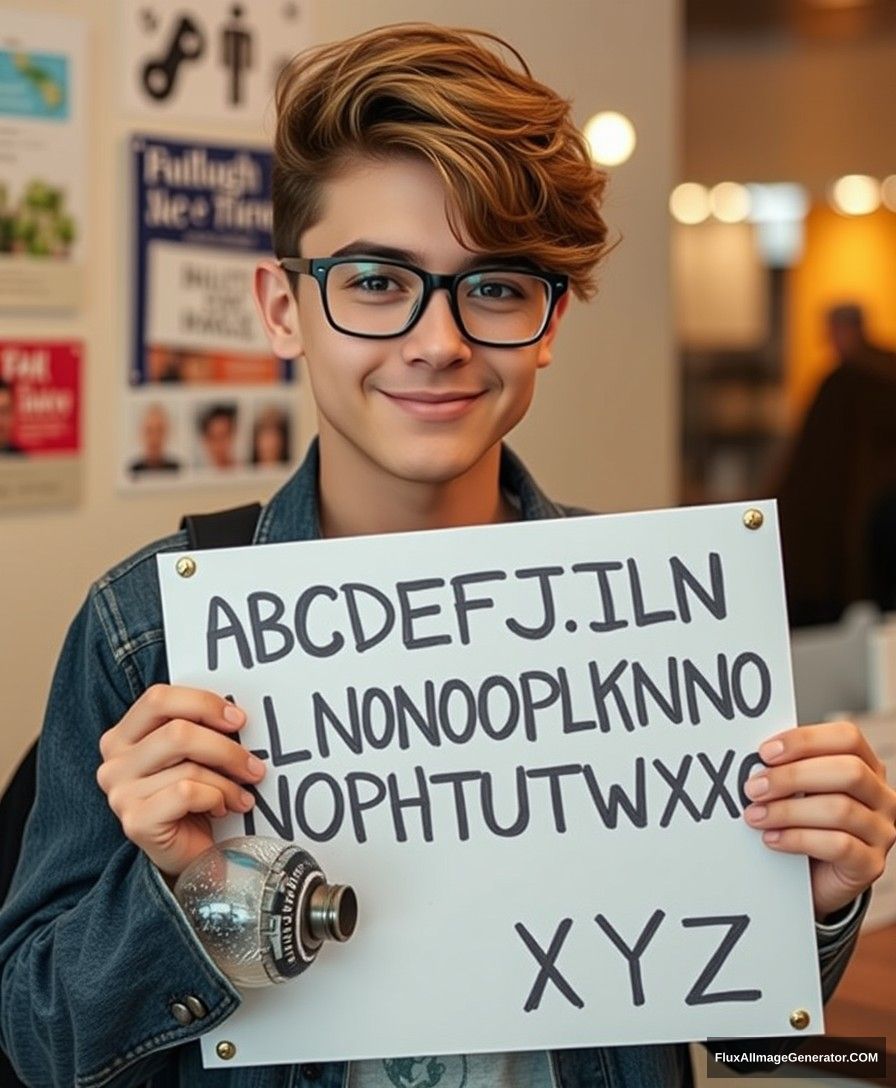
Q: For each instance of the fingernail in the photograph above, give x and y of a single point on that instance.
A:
(234, 715)
(771, 836)
(254, 766)
(756, 787)
(770, 749)
(756, 812)
(246, 799)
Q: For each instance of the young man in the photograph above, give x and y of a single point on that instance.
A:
(440, 199)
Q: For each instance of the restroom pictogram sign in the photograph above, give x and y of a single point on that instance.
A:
(211, 58)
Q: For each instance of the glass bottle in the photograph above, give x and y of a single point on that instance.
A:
(262, 908)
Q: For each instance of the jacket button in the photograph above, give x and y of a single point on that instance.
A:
(311, 1072)
(196, 1007)
(181, 1013)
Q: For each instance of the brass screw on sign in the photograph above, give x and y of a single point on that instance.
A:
(186, 567)
(225, 1050)
(799, 1019)
(753, 519)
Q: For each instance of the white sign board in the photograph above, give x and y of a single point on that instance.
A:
(202, 299)
(523, 746)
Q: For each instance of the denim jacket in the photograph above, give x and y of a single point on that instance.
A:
(103, 980)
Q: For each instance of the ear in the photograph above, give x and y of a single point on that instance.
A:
(278, 309)
(545, 344)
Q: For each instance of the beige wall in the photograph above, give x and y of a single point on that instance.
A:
(604, 428)
(778, 113)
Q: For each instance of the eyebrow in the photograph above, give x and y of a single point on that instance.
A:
(363, 247)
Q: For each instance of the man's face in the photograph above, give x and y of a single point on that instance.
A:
(5, 417)
(376, 398)
(846, 337)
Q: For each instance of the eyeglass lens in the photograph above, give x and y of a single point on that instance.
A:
(380, 299)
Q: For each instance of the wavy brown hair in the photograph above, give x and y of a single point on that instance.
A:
(517, 171)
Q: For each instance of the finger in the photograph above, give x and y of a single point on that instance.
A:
(180, 740)
(822, 774)
(834, 812)
(856, 863)
(155, 819)
(122, 798)
(827, 738)
(162, 703)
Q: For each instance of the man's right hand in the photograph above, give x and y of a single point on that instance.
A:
(169, 766)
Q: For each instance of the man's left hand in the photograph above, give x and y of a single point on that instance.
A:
(823, 793)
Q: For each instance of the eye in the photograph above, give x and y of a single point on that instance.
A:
(494, 290)
(375, 284)
(374, 278)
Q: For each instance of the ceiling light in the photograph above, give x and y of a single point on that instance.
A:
(888, 192)
(778, 202)
(855, 194)
(730, 202)
(611, 138)
(689, 202)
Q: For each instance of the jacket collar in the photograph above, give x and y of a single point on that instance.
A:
(292, 514)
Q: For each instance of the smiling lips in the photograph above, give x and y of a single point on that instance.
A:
(435, 406)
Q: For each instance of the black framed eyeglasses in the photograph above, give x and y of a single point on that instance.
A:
(497, 306)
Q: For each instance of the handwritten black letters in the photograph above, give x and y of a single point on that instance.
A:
(633, 955)
(324, 620)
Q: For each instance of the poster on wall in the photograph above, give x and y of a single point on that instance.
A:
(42, 161)
(40, 437)
(208, 60)
(207, 399)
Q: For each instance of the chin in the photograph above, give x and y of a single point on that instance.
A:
(433, 465)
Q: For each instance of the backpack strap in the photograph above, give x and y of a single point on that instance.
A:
(223, 528)
(15, 804)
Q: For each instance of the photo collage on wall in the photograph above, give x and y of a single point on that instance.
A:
(208, 401)
(42, 243)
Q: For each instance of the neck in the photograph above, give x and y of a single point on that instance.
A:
(358, 497)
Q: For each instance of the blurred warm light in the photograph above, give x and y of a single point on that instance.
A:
(855, 194)
(888, 192)
(778, 209)
(611, 138)
(689, 202)
(730, 201)
(778, 202)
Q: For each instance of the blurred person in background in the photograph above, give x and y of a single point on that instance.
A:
(841, 465)
(848, 335)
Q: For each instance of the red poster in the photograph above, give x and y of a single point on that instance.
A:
(40, 393)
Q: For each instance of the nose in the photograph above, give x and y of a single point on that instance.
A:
(436, 339)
